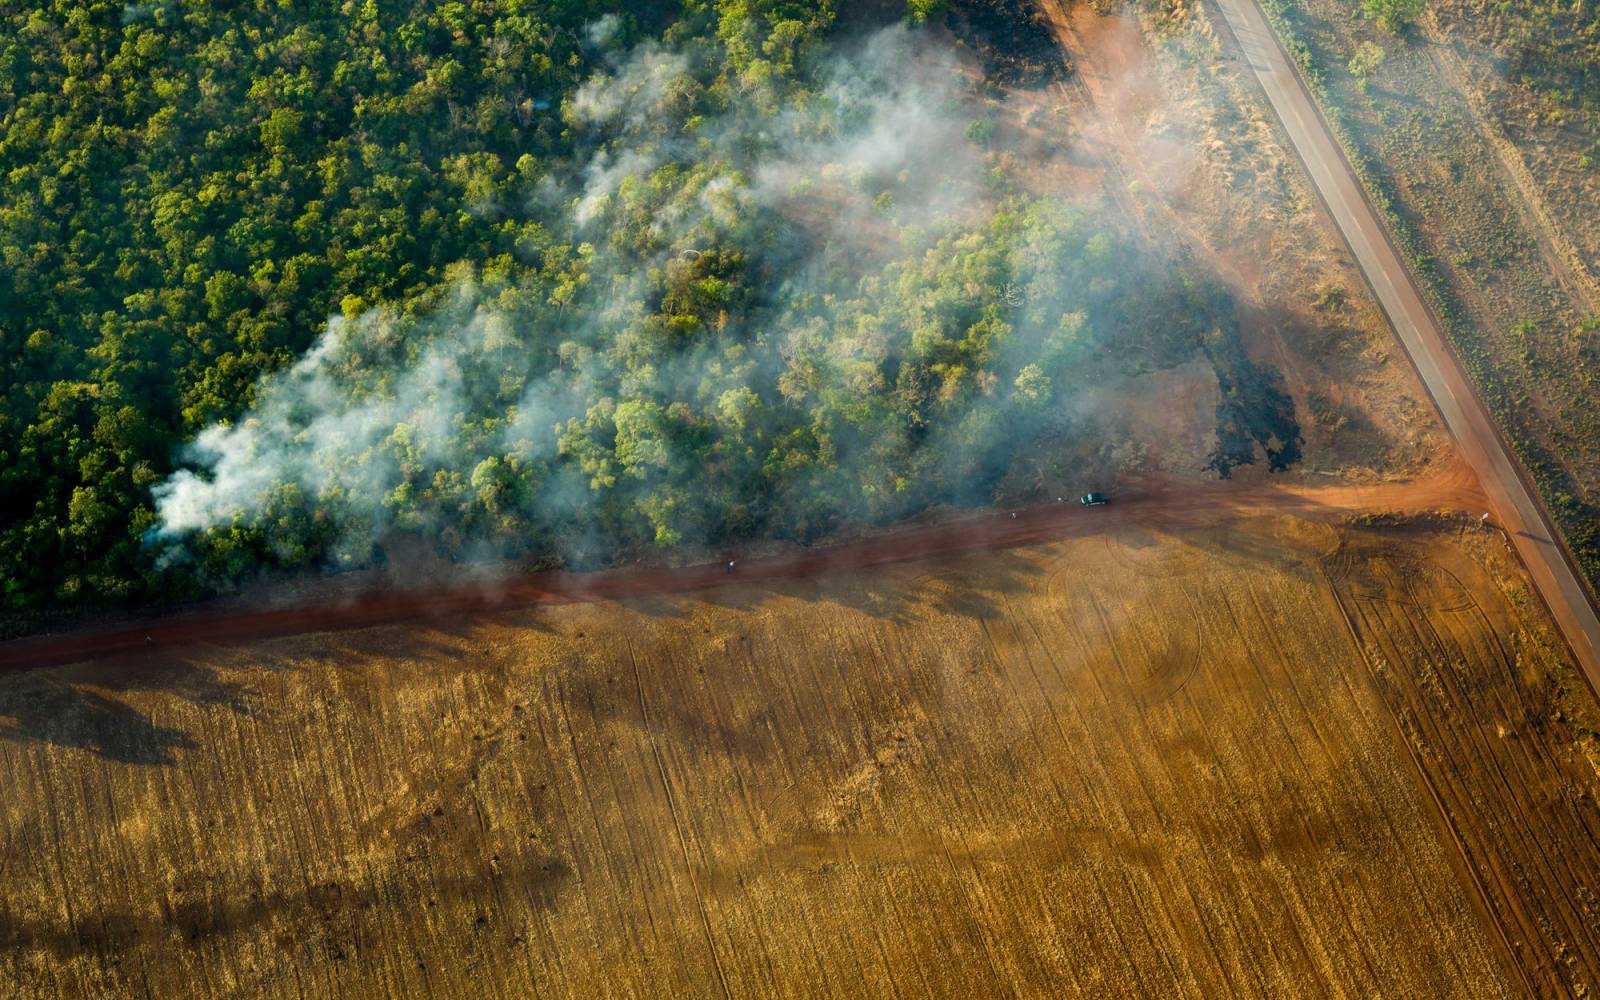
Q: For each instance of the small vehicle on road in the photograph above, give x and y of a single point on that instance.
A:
(1094, 499)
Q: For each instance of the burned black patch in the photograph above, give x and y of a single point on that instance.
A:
(1012, 39)
(1254, 411)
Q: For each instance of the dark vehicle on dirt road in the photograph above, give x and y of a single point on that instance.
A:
(1094, 499)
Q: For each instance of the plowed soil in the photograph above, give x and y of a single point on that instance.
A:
(1264, 755)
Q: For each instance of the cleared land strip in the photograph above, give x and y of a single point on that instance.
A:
(1509, 497)
(1174, 501)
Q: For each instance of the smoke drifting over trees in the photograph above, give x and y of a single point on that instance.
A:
(766, 314)
(697, 273)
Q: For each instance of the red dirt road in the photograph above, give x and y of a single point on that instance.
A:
(1511, 499)
(1165, 501)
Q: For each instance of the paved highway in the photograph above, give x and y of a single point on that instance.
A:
(1513, 503)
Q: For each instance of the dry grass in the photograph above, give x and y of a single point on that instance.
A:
(1179, 761)
(1193, 157)
(1503, 247)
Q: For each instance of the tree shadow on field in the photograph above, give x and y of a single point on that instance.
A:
(967, 569)
(325, 913)
(94, 706)
(654, 605)
(970, 585)
(77, 707)
(443, 648)
(973, 588)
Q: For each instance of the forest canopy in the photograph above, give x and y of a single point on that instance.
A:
(602, 276)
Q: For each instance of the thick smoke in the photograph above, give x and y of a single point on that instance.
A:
(478, 421)
(316, 429)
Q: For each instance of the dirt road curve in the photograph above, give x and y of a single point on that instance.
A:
(1168, 502)
(1510, 498)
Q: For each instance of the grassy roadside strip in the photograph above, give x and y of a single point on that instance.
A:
(1548, 476)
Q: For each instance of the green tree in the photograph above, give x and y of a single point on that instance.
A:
(1033, 386)
(1392, 15)
(1367, 59)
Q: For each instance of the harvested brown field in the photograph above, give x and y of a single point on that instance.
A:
(1198, 755)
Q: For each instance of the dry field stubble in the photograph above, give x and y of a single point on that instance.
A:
(1266, 757)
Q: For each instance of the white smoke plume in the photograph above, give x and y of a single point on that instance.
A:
(563, 411)
(381, 405)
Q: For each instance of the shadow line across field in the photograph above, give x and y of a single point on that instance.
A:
(76, 702)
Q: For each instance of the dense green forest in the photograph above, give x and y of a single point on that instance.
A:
(603, 275)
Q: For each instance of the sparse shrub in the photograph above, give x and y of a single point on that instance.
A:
(1392, 15)
(1368, 58)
